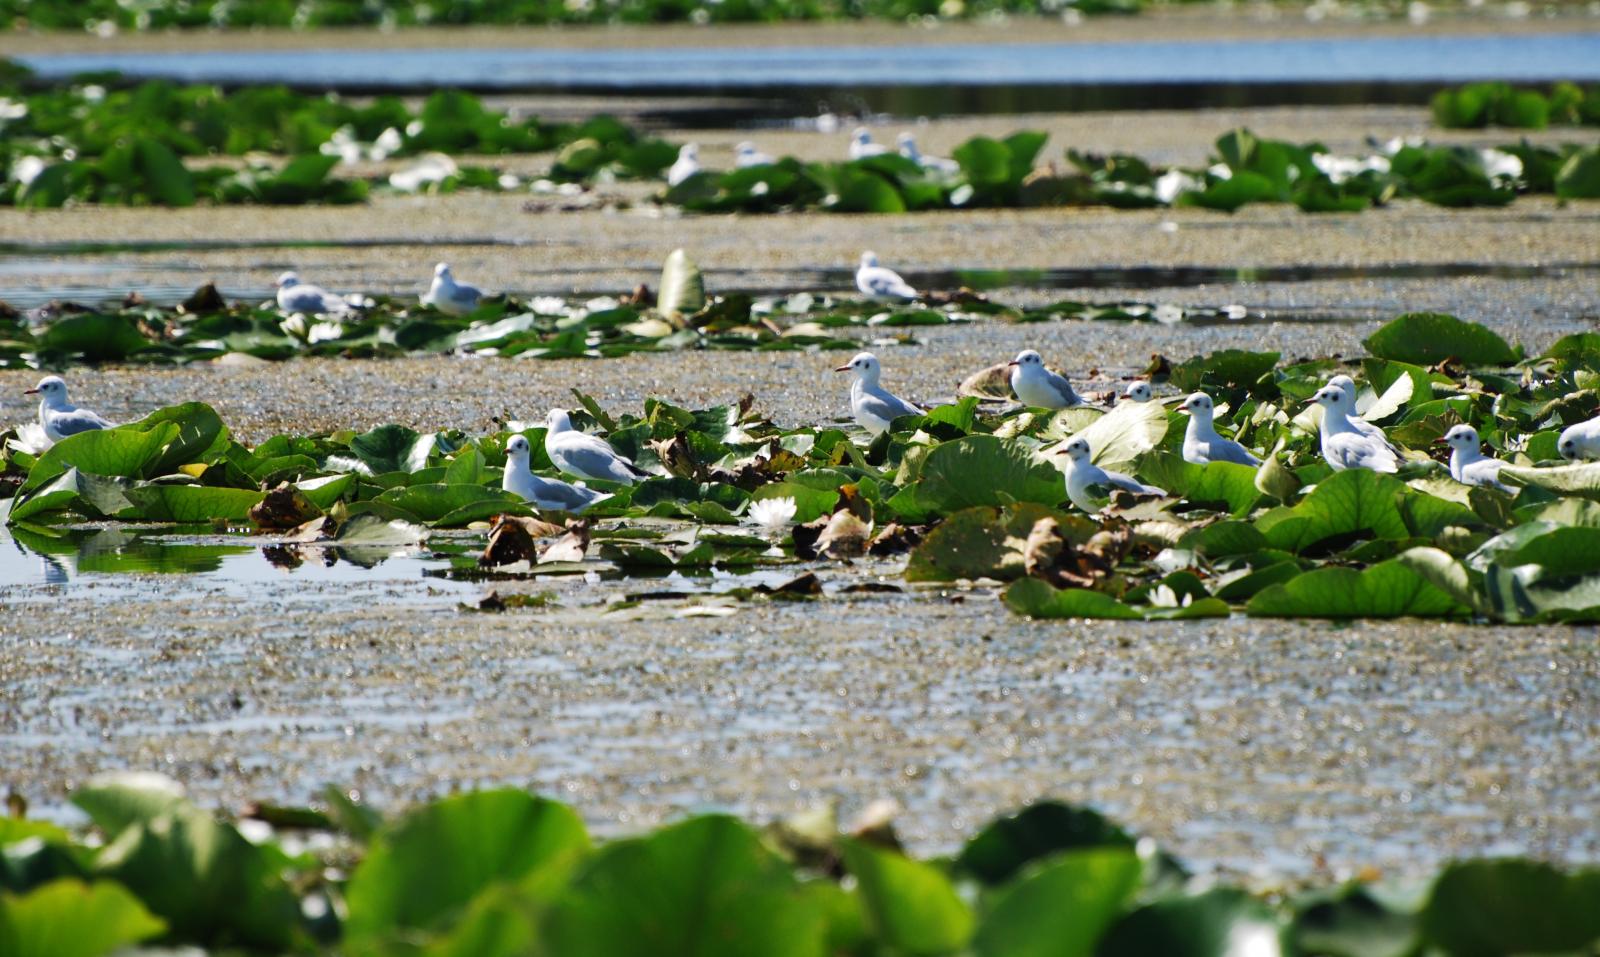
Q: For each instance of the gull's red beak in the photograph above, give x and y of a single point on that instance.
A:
(843, 368)
(31, 392)
(1012, 363)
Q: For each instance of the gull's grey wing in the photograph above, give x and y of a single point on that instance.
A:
(1355, 451)
(886, 406)
(78, 420)
(596, 461)
(1131, 484)
(549, 493)
(312, 299)
(1062, 388)
(1227, 450)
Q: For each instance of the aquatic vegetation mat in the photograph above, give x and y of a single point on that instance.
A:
(968, 491)
(158, 143)
(1480, 105)
(498, 873)
(1245, 169)
(206, 326)
(94, 143)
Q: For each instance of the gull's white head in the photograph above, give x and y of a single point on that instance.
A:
(1028, 359)
(288, 279)
(558, 420)
(1463, 438)
(861, 136)
(442, 271)
(869, 260)
(906, 141)
(1198, 404)
(864, 366)
(692, 150)
(745, 148)
(517, 447)
(1331, 397)
(1077, 450)
(1138, 391)
(52, 388)
(1567, 444)
(1345, 384)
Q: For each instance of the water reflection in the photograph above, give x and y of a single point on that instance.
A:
(63, 556)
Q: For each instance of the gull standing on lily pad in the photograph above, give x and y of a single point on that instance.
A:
(1138, 391)
(861, 145)
(746, 155)
(1038, 387)
(1342, 444)
(1361, 425)
(449, 296)
(873, 406)
(58, 416)
(1581, 441)
(586, 456)
(881, 282)
(297, 296)
(1201, 443)
(1083, 477)
(543, 493)
(1468, 464)
(686, 165)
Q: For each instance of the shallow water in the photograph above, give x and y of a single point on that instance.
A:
(1435, 59)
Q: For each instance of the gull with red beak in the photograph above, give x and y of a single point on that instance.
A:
(1201, 443)
(1037, 386)
(873, 406)
(59, 417)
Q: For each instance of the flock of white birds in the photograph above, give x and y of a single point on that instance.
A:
(862, 146)
(1347, 440)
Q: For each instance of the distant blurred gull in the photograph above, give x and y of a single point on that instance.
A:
(746, 155)
(1137, 391)
(447, 295)
(297, 296)
(879, 282)
(687, 164)
(861, 145)
(58, 416)
(908, 149)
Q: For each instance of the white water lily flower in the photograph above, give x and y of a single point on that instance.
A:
(30, 438)
(1500, 165)
(27, 169)
(324, 331)
(772, 515)
(430, 170)
(294, 326)
(1168, 314)
(1340, 168)
(12, 109)
(1174, 183)
(548, 305)
(388, 142)
(1162, 596)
